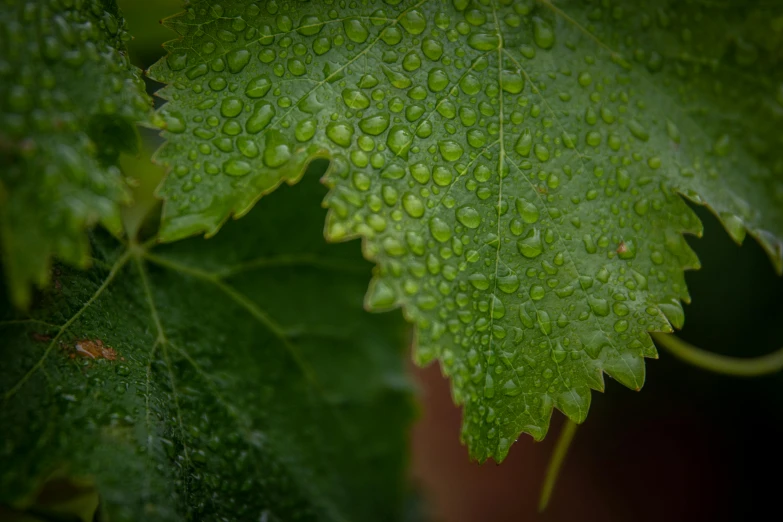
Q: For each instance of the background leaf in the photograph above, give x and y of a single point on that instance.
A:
(515, 168)
(234, 378)
(69, 101)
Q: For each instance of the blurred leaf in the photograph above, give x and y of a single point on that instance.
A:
(69, 101)
(236, 378)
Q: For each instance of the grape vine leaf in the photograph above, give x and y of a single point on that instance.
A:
(69, 99)
(515, 167)
(231, 379)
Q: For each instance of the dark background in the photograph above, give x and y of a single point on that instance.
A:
(690, 446)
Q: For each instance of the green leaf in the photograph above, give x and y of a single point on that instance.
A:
(515, 167)
(69, 99)
(237, 378)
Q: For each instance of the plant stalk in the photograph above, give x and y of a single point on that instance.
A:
(562, 445)
(736, 366)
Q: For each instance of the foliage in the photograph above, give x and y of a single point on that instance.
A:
(237, 378)
(69, 101)
(518, 170)
(514, 168)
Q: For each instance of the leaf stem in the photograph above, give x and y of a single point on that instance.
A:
(736, 366)
(562, 445)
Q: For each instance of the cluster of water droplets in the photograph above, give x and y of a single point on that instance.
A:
(47, 53)
(484, 253)
(503, 163)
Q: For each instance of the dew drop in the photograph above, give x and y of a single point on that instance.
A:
(734, 226)
(442, 176)
(437, 80)
(599, 306)
(440, 229)
(247, 146)
(412, 205)
(432, 48)
(484, 41)
(309, 25)
(469, 217)
(231, 107)
(620, 309)
(322, 45)
(197, 71)
(524, 144)
(450, 150)
(537, 292)
(585, 79)
(296, 67)
(277, 151)
(392, 35)
(340, 133)
(544, 322)
(355, 99)
(479, 281)
(476, 138)
(414, 22)
(512, 81)
(305, 130)
(470, 84)
(393, 247)
(174, 122)
(638, 130)
(642, 206)
(400, 140)
(531, 246)
(673, 311)
(284, 23)
(543, 34)
(381, 296)
(527, 210)
(177, 61)
(411, 62)
(541, 152)
(375, 125)
(595, 344)
(467, 116)
(420, 172)
(236, 167)
(355, 30)
(237, 60)
(263, 113)
(510, 389)
(508, 284)
(217, 84)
